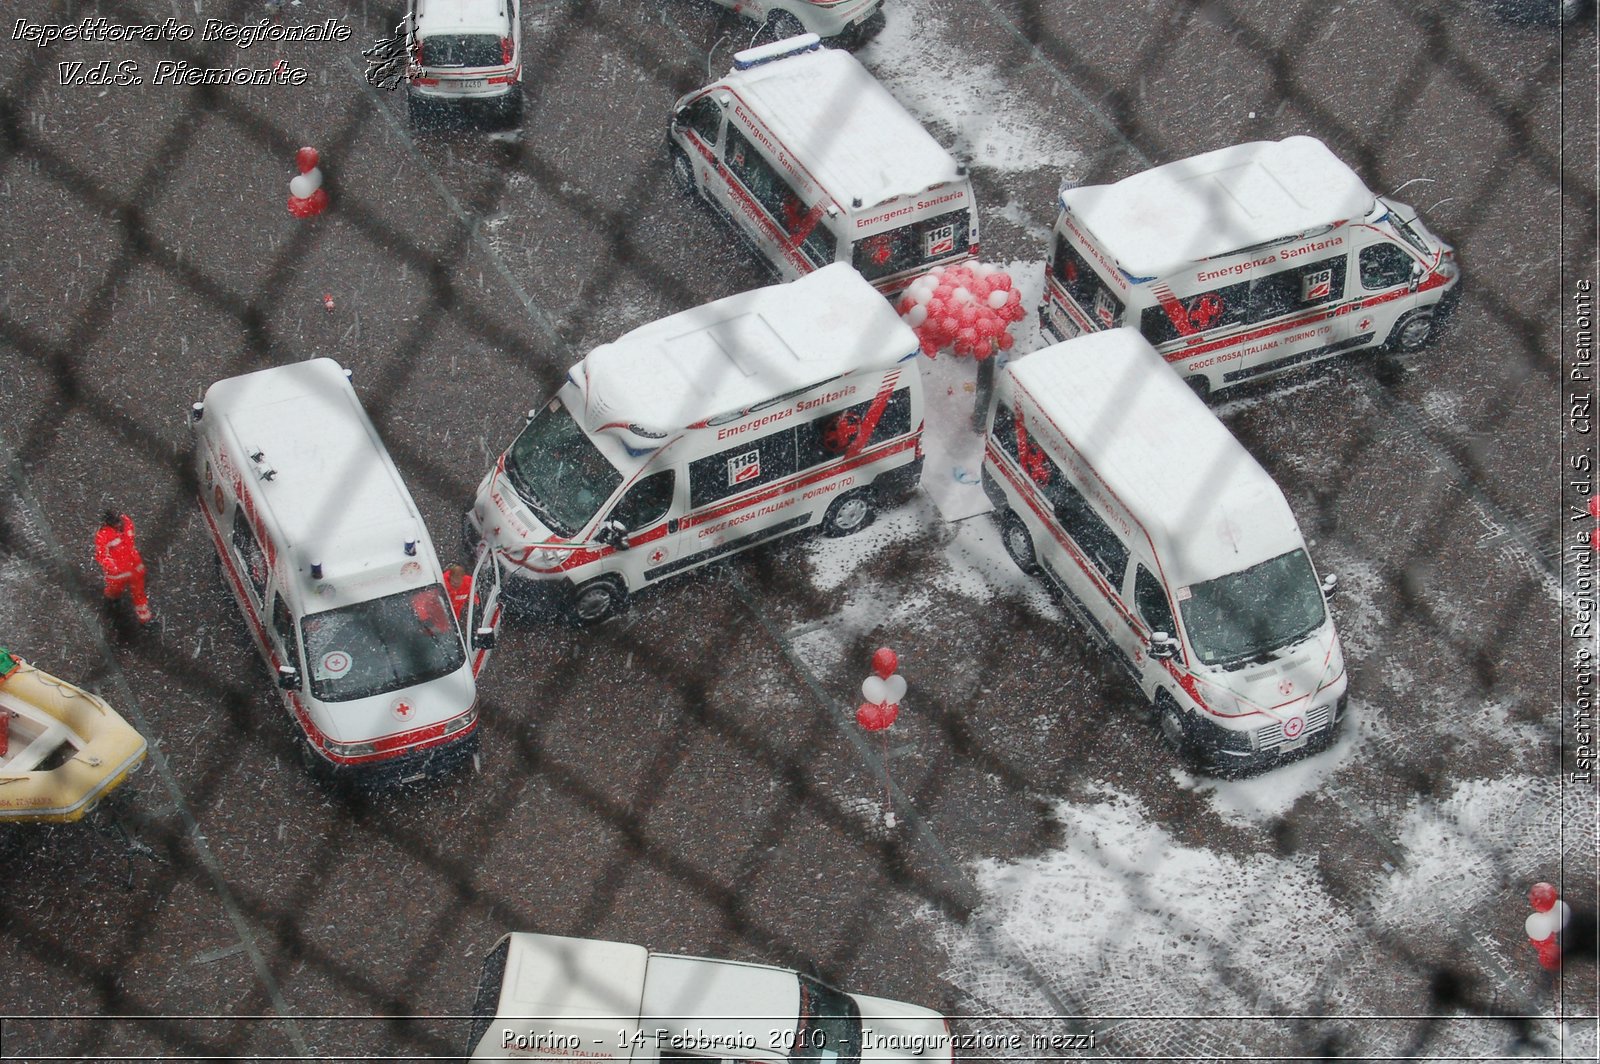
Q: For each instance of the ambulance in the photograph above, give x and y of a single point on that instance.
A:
(789, 407)
(333, 569)
(464, 53)
(552, 998)
(812, 160)
(1247, 262)
(1171, 545)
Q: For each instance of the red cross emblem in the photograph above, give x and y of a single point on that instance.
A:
(402, 709)
(657, 556)
(1364, 324)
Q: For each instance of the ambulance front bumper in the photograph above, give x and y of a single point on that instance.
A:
(1228, 753)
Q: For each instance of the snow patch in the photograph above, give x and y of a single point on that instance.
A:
(925, 63)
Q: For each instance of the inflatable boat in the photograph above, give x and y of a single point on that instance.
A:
(61, 748)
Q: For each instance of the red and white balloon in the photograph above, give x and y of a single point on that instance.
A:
(1544, 925)
(968, 309)
(307, 197)
(883, 691)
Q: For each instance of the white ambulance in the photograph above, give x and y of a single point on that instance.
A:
(1172, 546)
(335, 573)
(713, 430)
(814, 162)
(547, 997)
(1247, 262)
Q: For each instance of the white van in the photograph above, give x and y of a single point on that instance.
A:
(825, 18)
(1247, 262)
(464, 52)
(335, 573)
(1172, 546)
(704, 433)
(547, 997)
(814, 162)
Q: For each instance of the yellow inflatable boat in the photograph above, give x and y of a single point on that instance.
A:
(61, 748)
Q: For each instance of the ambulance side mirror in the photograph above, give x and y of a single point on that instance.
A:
(613, 534)
(1330, 584)
(1162, 646)
(1417, 272)
(288, 677)
(483, 639)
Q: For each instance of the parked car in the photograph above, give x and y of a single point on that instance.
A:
(464, 52)
(545, 997)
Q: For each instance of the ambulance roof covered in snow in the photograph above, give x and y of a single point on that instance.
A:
(723, 1003)
(322, 474)
(1208, 507)
(853, 136)
(727, 356)
(1164, 218)
(573, 985)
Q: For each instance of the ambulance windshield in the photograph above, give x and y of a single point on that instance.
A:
(558, 472)
(382, 645)
(830, 1024)
(1246, 614)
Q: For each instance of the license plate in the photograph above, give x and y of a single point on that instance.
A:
(472, 83)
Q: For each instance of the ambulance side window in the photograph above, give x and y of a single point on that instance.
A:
(1384, 266)
(705, 118)
(283, 625)
(646, 502)
(1005, 430)
(250, 553)
(1086, 528)
(1296, 289)
(1188, 315)
(780, 200)
(739, 468)
(1072, 270)
(1150, 599)
(830, 436)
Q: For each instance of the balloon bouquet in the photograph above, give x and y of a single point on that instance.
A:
(968, 309)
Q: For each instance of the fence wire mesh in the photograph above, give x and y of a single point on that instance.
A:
(689, 776)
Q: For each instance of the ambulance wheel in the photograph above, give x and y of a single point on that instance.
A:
(1174, 732)
(595, 601)
(781, 26)
(1199, 386)
(1018, 543)
(850, 512)
(682, 173)
(1412, 332)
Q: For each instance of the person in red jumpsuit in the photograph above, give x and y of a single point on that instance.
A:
(458, 585)
(118, 555)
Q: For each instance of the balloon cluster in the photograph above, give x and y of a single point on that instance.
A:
(883, 691)
(307, 197)
(967, 308)
(1550, 914)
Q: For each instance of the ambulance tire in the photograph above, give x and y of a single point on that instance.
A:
(781, 26)
(850, 512)
(596, 600)
(1019, 544)
(1412, 332)
(682, 173)
(1199, 385)
(1174, 731)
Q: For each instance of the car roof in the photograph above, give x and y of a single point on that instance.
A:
(740, 351)
(463, 16)
(844, 126)
(1165, 218)
(1206, 504)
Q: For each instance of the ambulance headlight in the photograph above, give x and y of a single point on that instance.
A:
(462, 722)
(545, 559)
(352, 749)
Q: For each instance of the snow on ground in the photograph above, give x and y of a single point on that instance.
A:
(923, 62)
(1123, 920)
